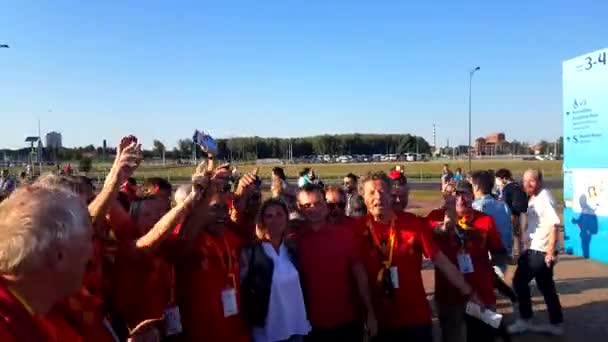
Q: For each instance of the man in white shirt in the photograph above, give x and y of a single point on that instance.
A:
(538, 258)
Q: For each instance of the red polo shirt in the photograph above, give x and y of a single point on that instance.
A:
(16, 322)
(142, 284)
(201, 276)
(482, 238)
(78, 318)
(326, 257)
(408, 307)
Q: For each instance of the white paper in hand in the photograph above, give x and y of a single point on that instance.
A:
(487, 316)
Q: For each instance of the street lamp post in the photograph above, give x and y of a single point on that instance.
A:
(5, 46)
(470, 90)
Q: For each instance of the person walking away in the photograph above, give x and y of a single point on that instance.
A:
(355, 207)
(446, 176)
(273, 303)
(482, 184)
(458, 176)
(538, 258)
(515, 197)
(8, 184)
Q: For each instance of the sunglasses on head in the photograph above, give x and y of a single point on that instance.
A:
(333, 205)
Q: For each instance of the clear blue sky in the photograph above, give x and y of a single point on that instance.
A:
(160, 69)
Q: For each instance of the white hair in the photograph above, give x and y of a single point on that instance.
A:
(36, 219)
(182, 192)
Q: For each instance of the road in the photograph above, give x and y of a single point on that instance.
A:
(583, 288)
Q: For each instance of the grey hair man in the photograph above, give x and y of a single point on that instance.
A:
(45, 243)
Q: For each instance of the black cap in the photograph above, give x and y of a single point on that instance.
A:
(464, 186)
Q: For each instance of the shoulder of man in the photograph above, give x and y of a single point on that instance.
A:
(410, 221)
(483, 221)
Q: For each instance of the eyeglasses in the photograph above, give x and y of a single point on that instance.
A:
(334, 205)
(310, 205)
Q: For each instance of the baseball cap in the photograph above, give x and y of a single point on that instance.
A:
(464, 186)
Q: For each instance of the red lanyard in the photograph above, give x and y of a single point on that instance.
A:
(227, 262)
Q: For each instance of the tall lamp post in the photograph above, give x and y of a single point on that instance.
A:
(470, 90)
(5, 46)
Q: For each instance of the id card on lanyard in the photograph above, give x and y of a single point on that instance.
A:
(228, 295)
(171, 315)
(387, 263)
(465, 263)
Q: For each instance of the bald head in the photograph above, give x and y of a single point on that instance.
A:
(533, 181)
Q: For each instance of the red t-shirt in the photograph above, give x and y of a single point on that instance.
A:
(142, 283)
(408, 306)
(17, 323)
(201, 276)
(326, 257)
(78, 318)
(482, 238)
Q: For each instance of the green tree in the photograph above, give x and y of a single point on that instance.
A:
(159, 148)
(85, 164)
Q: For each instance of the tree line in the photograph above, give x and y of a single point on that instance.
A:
(250, 148)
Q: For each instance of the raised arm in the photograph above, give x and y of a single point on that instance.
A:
(128, 158)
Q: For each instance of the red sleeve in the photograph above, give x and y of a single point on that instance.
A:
(121, 223)
(5, 333)
(436, 215)
(492, 236)
(429, 247)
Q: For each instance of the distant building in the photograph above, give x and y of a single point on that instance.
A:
(53, 140)
(492, 144)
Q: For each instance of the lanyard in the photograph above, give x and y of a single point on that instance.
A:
(386, 264)
(227, 262)
(21, 300)
(463, 225)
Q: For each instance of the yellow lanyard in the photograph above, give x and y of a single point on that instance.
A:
(22, 301)
(386, 264)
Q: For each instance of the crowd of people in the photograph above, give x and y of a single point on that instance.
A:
(215, 261)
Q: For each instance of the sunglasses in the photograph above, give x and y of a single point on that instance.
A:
(333, 205)
(310, 205)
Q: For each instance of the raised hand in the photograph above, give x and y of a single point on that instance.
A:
(247, 184)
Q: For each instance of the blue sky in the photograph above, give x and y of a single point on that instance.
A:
(160, 69)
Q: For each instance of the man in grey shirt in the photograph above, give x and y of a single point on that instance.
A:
(355, 206)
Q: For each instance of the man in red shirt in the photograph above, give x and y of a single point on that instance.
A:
(333, 278)
(400, 192)
(466, 236)
(208, 275)
(45, 239)
(393, 245)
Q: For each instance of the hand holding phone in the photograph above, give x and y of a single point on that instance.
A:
(205, 141)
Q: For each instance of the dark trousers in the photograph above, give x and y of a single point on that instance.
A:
(531, 265)
(348, 332)
(418, 334)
